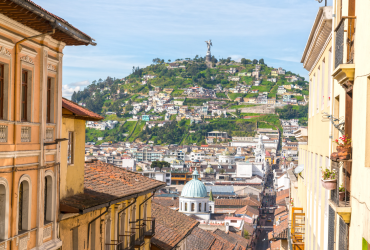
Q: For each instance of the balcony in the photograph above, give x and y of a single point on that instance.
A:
(149, 227)
(297, 229)
(129, 238)
(140, 231)
(342, 206)
(345, 52)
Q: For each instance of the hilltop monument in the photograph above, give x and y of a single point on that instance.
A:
(208, 55)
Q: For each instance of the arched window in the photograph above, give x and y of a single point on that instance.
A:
(4, 209)
(210, 208)
(200, 207)
(192, 207)
(205, 207)
(180, 206)
(186, 206)
(24, 193)
(48, 199)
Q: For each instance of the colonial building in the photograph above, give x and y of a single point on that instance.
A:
(101, 204)
(31, 58)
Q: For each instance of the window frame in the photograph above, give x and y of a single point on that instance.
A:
(48, 99)
(2, 89)
(70, 148)
(24, 96)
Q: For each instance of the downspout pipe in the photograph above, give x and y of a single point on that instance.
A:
(120, 212)
(88, 226)
(16, 106)
(144, 202)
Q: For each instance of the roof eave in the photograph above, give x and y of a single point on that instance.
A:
(324, 12)
(68, 29)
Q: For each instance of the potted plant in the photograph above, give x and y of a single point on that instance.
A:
(329, 180)
(292, 202)
(344, 149)
(342, 192)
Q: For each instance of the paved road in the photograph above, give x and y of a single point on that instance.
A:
(265, 226)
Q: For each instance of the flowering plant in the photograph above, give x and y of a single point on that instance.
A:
(328, 174)
(343, 141)
(292, 202)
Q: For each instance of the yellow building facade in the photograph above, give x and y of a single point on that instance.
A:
(32, 41)
(102, 206)
(332, 222)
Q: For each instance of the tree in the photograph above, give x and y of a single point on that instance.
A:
(255, 61)
(222, 171)
(246, 234)
(169, 60)
(261, 61)
(238, 112)
(160, 164)
(228, 60)
(243, 61)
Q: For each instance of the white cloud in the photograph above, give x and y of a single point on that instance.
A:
(82, 83)
(236, 58)
(68, 91)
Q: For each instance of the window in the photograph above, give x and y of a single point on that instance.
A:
(24, 95)
(192, 207)
(2, 91)
(186, 206)
(23, 206)
(70, 158)
(200, 207)
(4, 202)
(205, 207)
(93, 235)
(48, 196)
(48, 101)
(181, 206)
(329, 78)
(75, 238)
(317, 90)
(233, 221)
(323, 84)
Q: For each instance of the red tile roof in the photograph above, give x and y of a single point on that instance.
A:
(237, 202)
(106, 183)
(200, 239)
(167, 202)
(171, 226)
(279, 210)
(275, 245)
(248, 210)
(221, 242)
(80, 112)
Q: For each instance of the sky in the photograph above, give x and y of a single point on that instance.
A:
(132, 32)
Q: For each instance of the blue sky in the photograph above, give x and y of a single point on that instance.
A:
(133, 32)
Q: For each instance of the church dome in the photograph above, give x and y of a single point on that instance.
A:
(194, 188)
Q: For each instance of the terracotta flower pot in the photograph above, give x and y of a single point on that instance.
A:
(329, 184)
(344, 152)
(341, 196)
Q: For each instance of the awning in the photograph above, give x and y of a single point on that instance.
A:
(299, 169)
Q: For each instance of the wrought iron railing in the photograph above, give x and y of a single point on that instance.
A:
(124, 242)
(149, 227)
(334, 194)
(346, 24)
(343, 235)
(140, 229)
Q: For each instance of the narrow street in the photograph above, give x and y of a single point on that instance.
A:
(266, 217)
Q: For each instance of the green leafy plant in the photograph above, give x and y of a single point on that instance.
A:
(341, 188)
(246, 234)
(328, 174)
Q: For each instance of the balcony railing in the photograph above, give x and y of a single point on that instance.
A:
(344, 43)
(149, 227)
(334, 194)
(140, 230)
(128, 238)
(297, 229)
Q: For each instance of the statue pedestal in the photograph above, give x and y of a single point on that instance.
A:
(208, 57)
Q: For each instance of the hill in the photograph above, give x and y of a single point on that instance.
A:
(233, 85)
